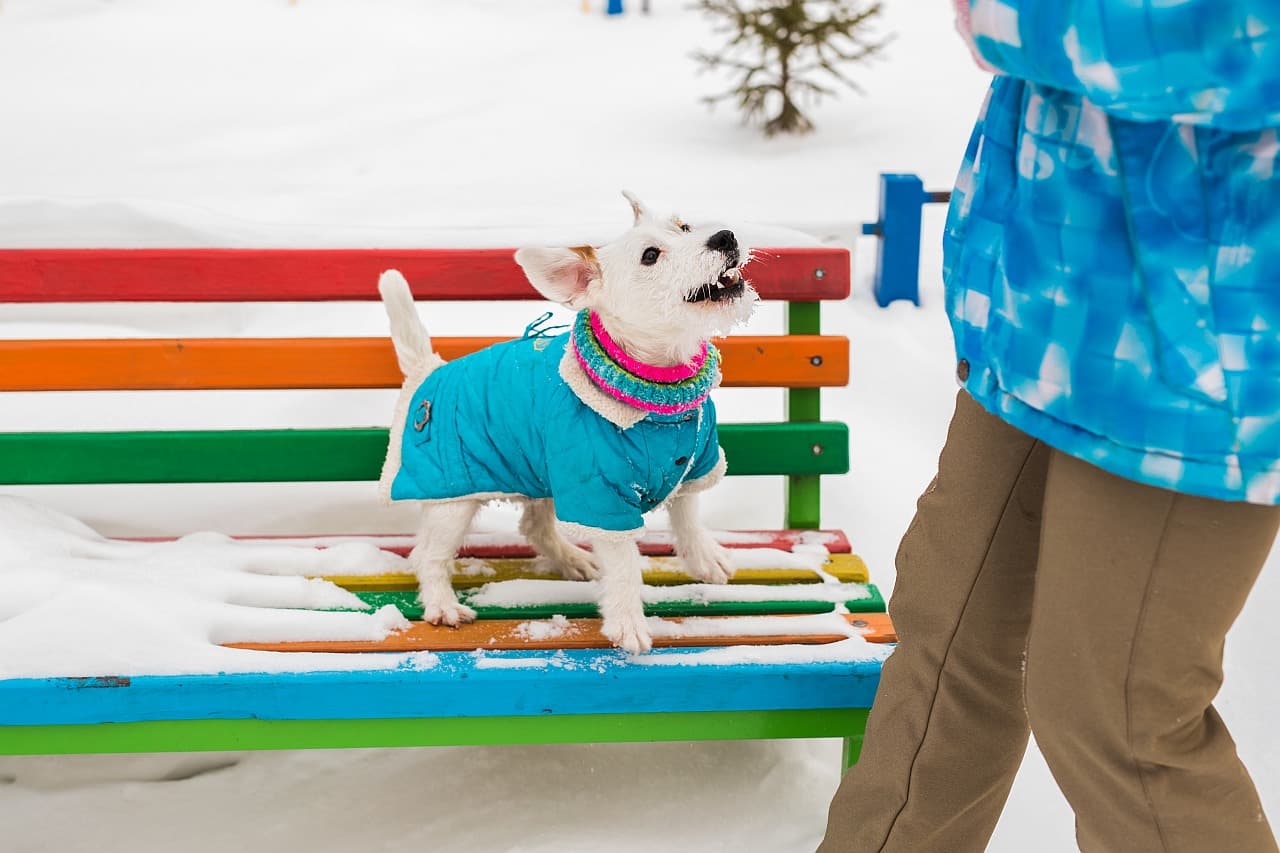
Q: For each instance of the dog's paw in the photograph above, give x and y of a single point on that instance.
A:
(573, 565)
(708, 561)
(628, 633)
(447, 612)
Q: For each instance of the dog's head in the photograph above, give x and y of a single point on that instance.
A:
(660, 289)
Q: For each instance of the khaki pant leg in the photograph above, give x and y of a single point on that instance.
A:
(948, 728)
(1137, 587)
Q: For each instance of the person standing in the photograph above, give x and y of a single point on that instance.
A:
(1108, 490)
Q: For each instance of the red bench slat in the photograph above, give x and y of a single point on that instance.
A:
(310, 275)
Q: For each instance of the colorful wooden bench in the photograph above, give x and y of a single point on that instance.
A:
(556, 682)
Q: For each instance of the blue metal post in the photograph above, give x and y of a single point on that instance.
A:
(614, 7)
(902, 198)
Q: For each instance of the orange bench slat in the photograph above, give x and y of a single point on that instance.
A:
(788, 361)
(507, 634)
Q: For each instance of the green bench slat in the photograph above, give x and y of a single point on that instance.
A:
(307, 455)
(406, 601)
(218, 735)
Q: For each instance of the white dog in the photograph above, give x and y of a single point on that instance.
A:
(590, 429)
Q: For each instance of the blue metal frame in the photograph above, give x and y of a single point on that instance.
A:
(902, 201)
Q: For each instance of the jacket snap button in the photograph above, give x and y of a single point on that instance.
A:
(962, 370)
(682, 460)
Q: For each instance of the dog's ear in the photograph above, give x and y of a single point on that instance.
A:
(562, 275)
(637, 207)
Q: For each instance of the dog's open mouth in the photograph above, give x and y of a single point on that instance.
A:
(728, 286)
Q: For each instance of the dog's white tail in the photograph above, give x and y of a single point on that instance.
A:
(413, 344)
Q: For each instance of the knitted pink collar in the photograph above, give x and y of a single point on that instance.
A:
(658, 390)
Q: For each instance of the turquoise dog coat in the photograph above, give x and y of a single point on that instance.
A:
(515, 419)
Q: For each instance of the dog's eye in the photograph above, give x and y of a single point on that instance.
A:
(650, 256)
(684, 226)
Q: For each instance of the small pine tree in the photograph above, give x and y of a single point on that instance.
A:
(776, 47)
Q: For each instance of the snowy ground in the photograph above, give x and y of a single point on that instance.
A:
(494, 122)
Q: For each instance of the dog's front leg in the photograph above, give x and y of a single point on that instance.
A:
(621, 599)
(704, 558)
(444, 526)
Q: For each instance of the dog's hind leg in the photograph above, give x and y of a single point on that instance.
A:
(538, 525)
(444, 526)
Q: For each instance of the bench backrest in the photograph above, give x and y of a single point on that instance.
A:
(802, 447)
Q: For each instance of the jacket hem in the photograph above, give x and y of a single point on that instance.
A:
(391, 465)
(1151, 467)
(575, 530)
(707, 481)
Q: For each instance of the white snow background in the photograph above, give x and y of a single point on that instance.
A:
(487, 122)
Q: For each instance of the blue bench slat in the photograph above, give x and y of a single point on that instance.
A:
(590, 682)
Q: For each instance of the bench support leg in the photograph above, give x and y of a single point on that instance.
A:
(852, 749)
(804, 491)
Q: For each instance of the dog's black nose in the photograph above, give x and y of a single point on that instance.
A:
(723, 241)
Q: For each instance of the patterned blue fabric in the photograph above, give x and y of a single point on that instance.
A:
(1112, 252)
(1205, 62)
(502, 421)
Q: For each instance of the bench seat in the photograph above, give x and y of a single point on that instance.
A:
(792, 649)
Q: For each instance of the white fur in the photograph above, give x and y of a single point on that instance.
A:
(621, 602)
(644, 309)
(706, 482)
(704, 558)
(538, 524)
(416, 359)
(412, 343)
(444, 526)
(613, 410)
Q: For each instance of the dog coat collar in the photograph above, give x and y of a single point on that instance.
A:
(657, 390)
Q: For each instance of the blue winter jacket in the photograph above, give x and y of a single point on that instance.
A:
(502, 422)
(1112, 252)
